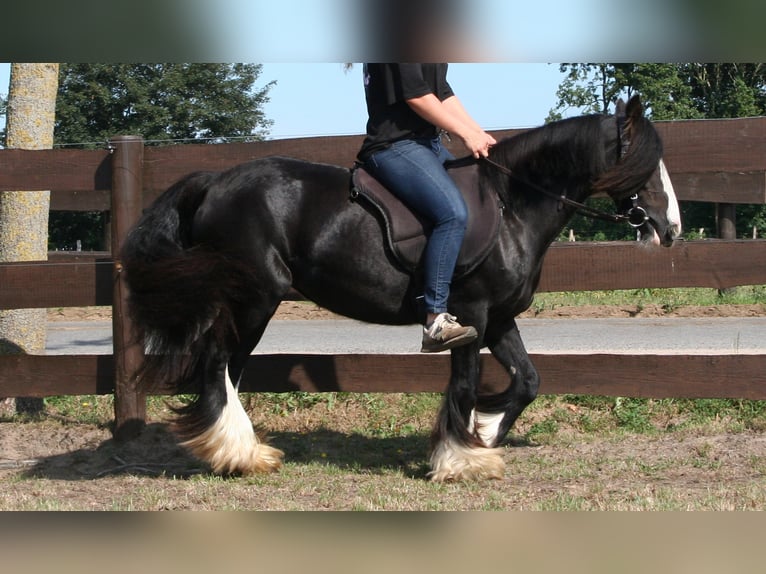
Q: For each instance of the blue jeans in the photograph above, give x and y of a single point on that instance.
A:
(414, 171)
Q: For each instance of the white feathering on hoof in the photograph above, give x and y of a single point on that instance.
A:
(485, 425)
(231, 445)
(452, 461)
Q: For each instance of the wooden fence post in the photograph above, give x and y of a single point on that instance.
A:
(726, 222)
(127, 192)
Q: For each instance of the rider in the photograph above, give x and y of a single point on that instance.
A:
(409, 105)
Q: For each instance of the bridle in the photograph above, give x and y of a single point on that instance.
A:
(635, 216)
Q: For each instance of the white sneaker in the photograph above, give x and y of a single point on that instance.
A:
(446, 333)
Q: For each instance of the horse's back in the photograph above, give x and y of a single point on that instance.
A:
(284, 175)
(268, 194)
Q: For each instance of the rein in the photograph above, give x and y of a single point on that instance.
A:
(635, 216)
(580, 207)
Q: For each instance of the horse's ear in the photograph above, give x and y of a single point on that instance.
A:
(634, 109)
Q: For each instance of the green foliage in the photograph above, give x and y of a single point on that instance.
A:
(589, 229)
(666, 298)
(742, 414)
(283, 404)
(162, 103)
(405, 414)
(663, 91)
(751, 217)
(607, 416)
(594, 88)
(65, 228)
(92, 409)
(542, 429)
(726, 90)
(587, 88)
(632, 414)
(669, 92)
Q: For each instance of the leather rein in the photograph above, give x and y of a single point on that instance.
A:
(635, 216)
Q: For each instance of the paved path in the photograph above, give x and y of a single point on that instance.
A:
(656, 335)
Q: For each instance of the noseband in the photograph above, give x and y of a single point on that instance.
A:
(635, 216)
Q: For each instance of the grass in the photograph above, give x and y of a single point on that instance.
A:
(396, 423)
(368, 451)
(396, 417)
(618, 415)
(666, 298)
(92, 409)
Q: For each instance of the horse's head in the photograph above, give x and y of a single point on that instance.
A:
(654, 211)
(639, 183)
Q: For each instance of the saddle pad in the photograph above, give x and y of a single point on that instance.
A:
(406, 233)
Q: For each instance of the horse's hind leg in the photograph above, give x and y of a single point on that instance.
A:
(216, 428)
(220, 432)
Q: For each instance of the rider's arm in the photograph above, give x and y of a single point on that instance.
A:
(450, 116)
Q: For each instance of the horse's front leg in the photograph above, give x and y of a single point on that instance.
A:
(498, 408)
(456, 452)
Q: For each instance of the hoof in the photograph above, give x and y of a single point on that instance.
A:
(265, 459)
(452, 462)
(243, 457)
(230, 445)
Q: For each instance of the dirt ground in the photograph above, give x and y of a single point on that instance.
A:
(79, 466)
(55, 466)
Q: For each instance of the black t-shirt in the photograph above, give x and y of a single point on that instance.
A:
(390, 118)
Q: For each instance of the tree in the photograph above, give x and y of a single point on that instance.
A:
(3, 110)
(589, 88)
(24, 214)
(669, 92)
(594, 88)
(163, 103)
(160, 102)
(726, 90)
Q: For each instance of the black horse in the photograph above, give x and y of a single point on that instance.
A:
(211, 259)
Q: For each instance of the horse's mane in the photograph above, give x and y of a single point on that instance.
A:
(582, 151)
(564, 147)
(633, 170)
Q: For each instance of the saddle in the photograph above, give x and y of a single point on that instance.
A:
(406, 233)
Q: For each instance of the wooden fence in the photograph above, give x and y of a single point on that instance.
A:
(719, 161)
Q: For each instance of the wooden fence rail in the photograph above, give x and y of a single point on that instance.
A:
(709, 160)
(71, 279)
(740, 376)
(721, 161)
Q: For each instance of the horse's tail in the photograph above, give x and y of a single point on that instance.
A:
(180, 294)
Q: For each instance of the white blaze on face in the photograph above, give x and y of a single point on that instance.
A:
(673, 213)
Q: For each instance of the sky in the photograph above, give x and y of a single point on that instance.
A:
(296, 39)
(323, 99)
(373, 30)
